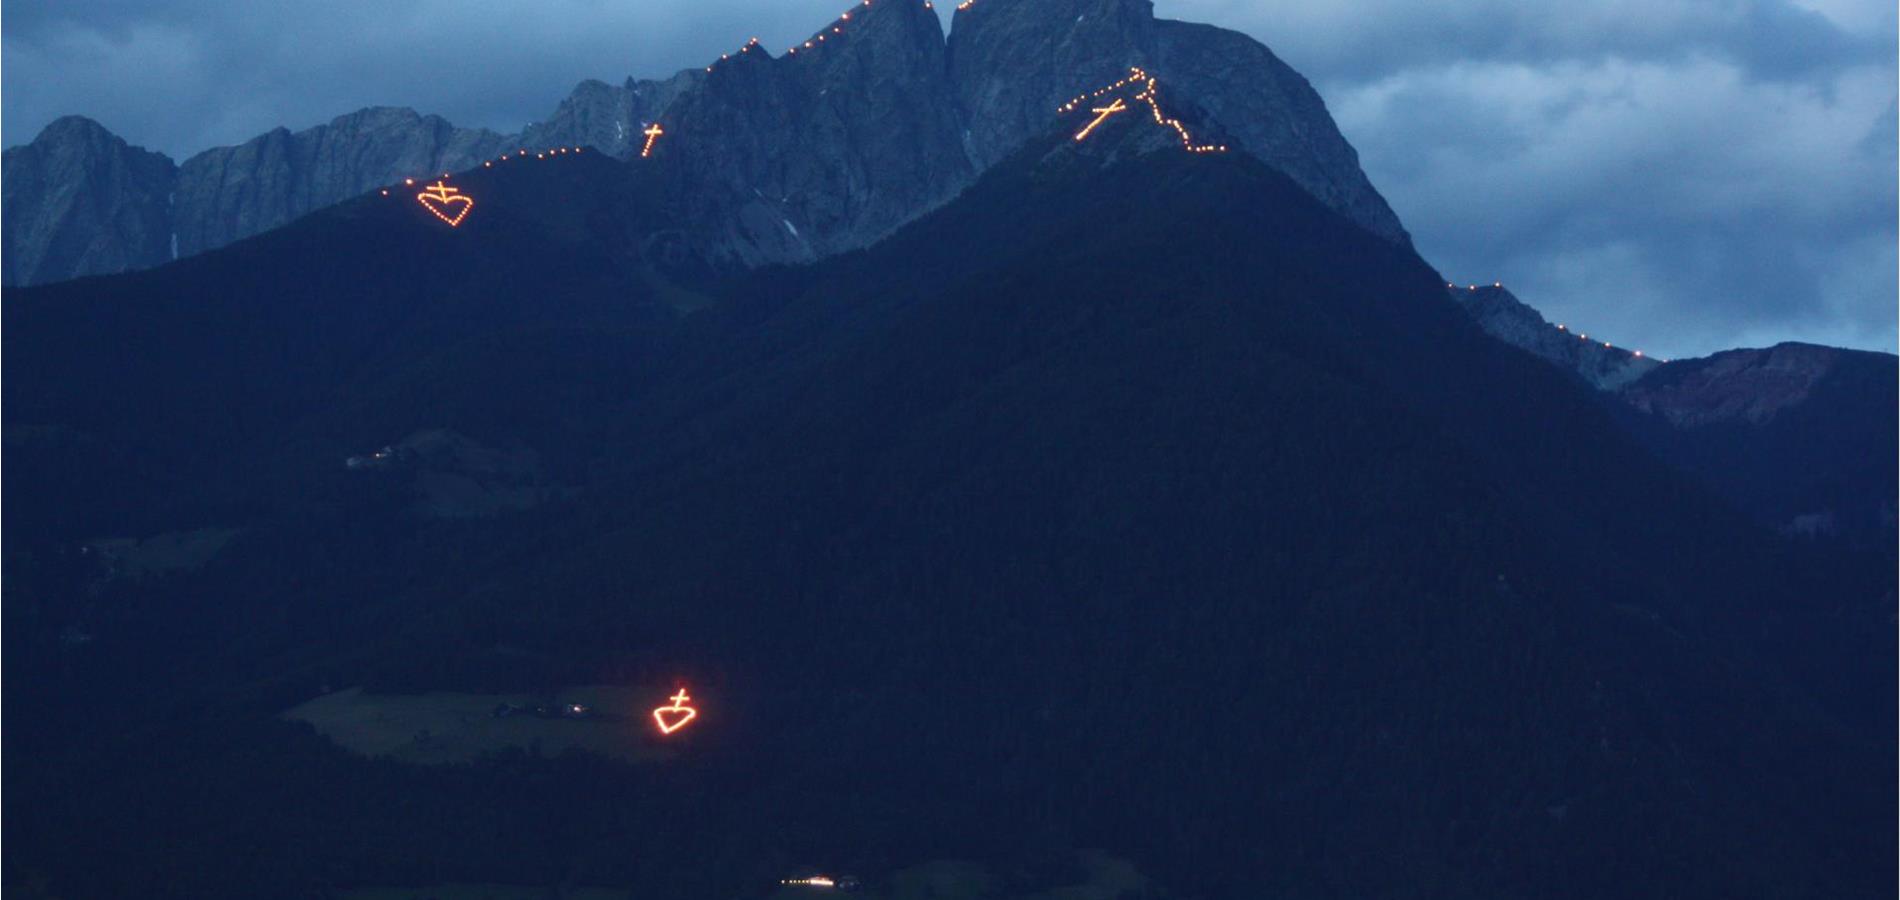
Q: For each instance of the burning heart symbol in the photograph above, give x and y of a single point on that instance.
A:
(439, 198)
(673, 718)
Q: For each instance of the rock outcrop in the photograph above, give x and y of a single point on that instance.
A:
(608, 118)
(824, 149)
(81, 201)
(1503, 316)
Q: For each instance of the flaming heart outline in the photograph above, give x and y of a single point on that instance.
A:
(445, 195)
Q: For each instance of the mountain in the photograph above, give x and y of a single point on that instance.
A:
(1134, 499)
(609, 118)
(1014, 63)
(1503, 316)
(91, 203)
(234, 192)
(822, 150)
(868, 124)
(1800, 436)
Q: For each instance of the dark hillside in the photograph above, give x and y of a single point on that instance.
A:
(1133, 500)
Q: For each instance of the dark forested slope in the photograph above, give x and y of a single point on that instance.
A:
(1133, 500)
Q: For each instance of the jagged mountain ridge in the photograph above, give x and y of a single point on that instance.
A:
(791, 158)
(234, 192)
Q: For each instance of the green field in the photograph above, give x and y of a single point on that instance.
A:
(445, 727)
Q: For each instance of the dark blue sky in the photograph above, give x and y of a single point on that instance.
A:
(1676, 175)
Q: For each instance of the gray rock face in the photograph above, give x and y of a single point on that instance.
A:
(610, 119)
(824, 149)
(1508, 319)
(80, 201)
(231, 193)
(1014, 62)
(1275, 114)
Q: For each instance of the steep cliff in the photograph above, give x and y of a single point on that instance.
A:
(826, 148)
(1013, 63)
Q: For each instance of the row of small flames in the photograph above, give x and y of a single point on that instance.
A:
(1563, 328)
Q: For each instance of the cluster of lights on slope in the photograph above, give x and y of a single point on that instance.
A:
(653, 133)
(814, 881)
(1150, 95)
(1638, 354)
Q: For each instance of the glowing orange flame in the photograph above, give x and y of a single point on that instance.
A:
(438, 198)
(653, 133)
(1101, 114)
(673, 718)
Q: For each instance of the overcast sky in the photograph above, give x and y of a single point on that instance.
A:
(1676, 175)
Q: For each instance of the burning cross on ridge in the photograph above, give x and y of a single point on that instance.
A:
(653, 133)
(1101, 114)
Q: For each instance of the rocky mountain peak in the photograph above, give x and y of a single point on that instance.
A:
(901, 23)
(77, 131)
(824, 149)
(1013, 62)
(91, 202)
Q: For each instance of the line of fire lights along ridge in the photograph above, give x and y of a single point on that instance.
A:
(1563, 328)
(1148, 95)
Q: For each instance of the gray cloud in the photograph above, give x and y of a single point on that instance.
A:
(1676, 175)
(1679, 175)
